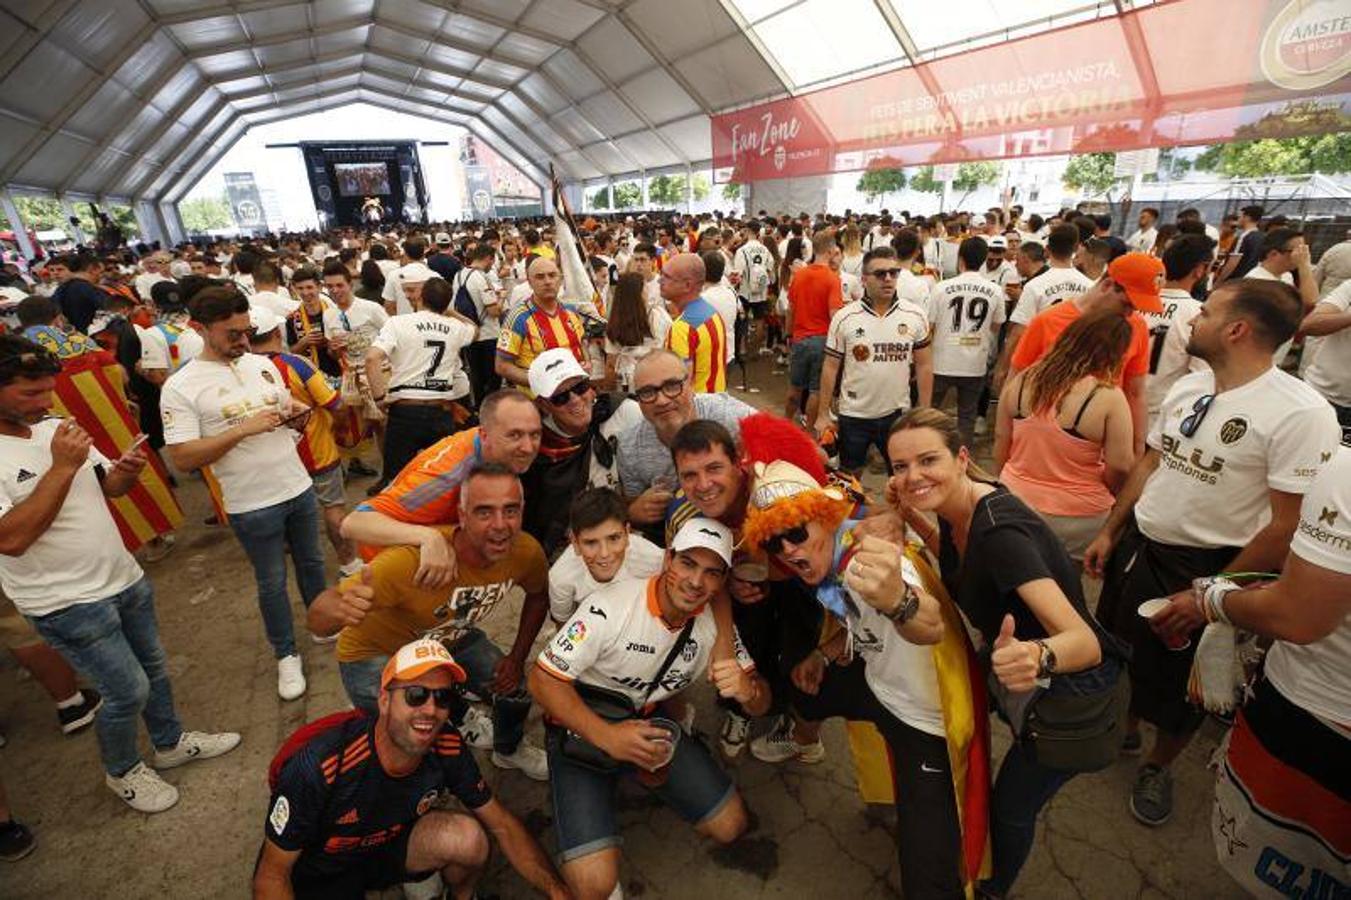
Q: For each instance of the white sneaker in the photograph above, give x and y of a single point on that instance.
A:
(290, 677)
(431, 888)
(320, 639)
(477, 729)
(195, 745)
(143, 790)
(778, 746)
(735, 729)
(531, 760)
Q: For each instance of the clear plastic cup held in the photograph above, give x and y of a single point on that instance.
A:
(1151, 608)
(658, 773)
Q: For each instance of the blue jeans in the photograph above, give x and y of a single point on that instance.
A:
(478, 656)
(114, 643)
(264, 534)
(857, 435)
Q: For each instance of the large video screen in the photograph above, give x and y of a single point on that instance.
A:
(362, 179)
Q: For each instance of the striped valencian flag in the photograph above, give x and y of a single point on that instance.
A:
(90, 391)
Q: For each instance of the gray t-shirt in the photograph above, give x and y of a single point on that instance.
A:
(643, 458)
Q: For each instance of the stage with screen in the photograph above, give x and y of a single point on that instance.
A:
(365, 182)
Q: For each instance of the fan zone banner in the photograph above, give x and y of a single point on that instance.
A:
(1175, 73)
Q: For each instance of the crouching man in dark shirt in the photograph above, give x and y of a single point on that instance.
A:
(352, 797)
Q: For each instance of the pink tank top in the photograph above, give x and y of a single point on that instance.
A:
(1053, 469)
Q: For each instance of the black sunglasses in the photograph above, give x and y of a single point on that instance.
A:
(885, 273)
(563, 397)
(416, 695)
(669, 388)
(773, 544)
(1189, 425)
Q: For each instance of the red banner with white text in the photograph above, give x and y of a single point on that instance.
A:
(1175, 73)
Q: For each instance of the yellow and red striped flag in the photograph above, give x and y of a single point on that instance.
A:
(90, 391)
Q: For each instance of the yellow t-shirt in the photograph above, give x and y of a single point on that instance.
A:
(404, 612)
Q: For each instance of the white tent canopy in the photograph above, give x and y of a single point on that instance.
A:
(135, 100)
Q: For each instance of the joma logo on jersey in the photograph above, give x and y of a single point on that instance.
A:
(636, 647)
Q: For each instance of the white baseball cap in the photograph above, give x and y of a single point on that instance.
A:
(551, 369)
(706, 533)
(415, 273)
(418, 658)
(997, 242)
(263, 320)
(442, 239)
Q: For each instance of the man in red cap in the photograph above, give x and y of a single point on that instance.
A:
(352, 797)
(1132, 285)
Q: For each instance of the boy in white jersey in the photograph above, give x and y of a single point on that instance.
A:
(1185, 262)
(601, 551)
(636, 644)
(965, 313)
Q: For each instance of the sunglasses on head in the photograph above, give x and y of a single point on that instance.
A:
(563, 397)
(416, 695)
(1189, 425)
(669, 388)
(773, 545)
(885, 273)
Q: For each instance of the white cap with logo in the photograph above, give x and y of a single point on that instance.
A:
(551, 369)
(707, 533)
(263, 320)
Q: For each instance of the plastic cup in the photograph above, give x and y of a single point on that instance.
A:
(1151, 608)
(657, 774)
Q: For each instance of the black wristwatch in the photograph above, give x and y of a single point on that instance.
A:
(905, 610)
(1046, 667)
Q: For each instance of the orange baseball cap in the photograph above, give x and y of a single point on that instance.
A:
(418, 658)
(1141, 277)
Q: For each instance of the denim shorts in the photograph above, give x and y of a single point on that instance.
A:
(804, 367)
(584, 811)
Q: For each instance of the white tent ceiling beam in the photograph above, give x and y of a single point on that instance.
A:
(663, 61)
(170, 158)
(273, 40)
(34, 32)
(770, 59)
(75, 103)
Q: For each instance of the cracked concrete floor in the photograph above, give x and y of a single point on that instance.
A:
(813, 839)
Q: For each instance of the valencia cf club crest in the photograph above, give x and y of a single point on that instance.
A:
(861, 352)
(1232, 431)
(426, 802)
(267, 376)
(903, 330)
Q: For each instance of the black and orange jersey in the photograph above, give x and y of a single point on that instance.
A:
(334, 802)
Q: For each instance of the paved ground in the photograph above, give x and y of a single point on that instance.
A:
(814, 837)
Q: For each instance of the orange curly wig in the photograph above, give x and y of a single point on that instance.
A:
(767, 438)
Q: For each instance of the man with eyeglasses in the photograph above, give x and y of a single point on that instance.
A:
(1232, 452)
(577, 445)
(870, 347)
(353, 796)
(661, 385)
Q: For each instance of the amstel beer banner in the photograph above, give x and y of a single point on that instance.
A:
(1175, 73)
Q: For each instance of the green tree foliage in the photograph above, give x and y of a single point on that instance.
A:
(876, 183)
(924, 182)
(601, 198)
(700, 187)
(203, 214)
(971, 176)
(1091, 173)
(42, 213)
(627, 195)
(731, 191)
(1326, 153)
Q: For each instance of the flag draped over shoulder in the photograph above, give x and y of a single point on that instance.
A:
(90, 391)
(966, 722)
